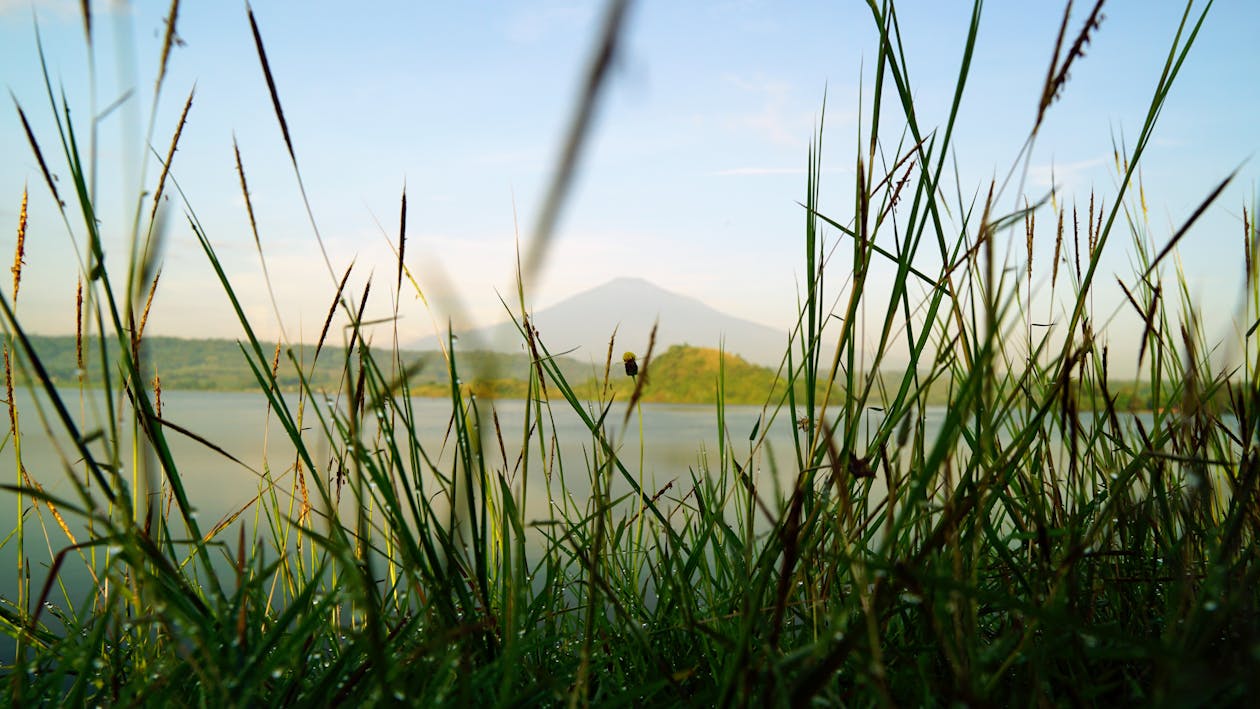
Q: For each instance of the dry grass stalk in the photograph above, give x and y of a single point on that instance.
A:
(284, 130)
(249, 204)
(275, 363)
(78, 326)
(1090, 238)
(271, 83)
(1076, 241)
(1249, 243)
(1142, 197)
(21, 246)
(986, 235)
(1058, 251)
(148, 303)
(170, 156)
(8, 390)
(144, 318)
(641, 380)
(1098, 227)
(612, 340)
(1058, 75)
(305, 512)
(1148, 327)
(39, 155)
(896, 193)
(157, 393)
(575, 138)
(332, 309)
(1185, 228)
(61, 521)
(170, 39)
(85, 8)
(402, 239)
(1030, 221)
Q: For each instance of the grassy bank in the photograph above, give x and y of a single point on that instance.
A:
(1031, 551)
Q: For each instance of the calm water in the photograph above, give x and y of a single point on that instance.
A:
(679, 441)
(676, 438)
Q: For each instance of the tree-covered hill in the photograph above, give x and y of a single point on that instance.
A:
(682, 374)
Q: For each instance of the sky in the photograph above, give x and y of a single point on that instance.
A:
(693, 170)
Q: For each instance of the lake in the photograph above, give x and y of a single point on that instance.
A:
(678, 441)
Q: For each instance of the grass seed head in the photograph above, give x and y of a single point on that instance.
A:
(1029, 225)
(78, 325)
(1249, 245)
(1058, 250)
(8, 390)
(1076, 241)
(21, 246)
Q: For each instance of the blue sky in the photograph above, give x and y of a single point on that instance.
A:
(692, 175)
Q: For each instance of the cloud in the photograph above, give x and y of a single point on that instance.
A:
(774, 119)
(1066, 177)
(753, 171)
(761, 171)
(541, 23)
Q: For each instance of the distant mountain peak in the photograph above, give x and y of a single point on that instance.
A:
(632, 306)
(631, 281)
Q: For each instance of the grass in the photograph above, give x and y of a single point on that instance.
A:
(1028, 552)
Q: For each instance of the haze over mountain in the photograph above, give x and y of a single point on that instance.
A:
(631, 305)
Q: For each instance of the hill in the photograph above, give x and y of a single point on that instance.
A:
(219, 365)
(685, 374)
(681, 374)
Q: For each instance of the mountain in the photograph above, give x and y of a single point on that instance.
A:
(585, 321)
